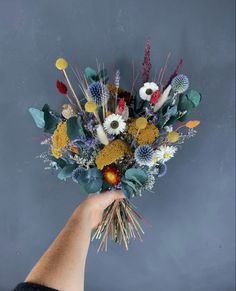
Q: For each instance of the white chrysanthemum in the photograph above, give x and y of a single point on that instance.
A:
(146, 91)
(164, 153)
(114, 124)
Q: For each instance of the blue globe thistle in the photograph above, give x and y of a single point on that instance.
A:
(98, 91)
(75, 174)
(144, 155)
(180, 84)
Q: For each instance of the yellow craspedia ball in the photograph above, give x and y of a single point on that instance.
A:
(141, 123)
(90, 106)
(173, 136)
(61, 64)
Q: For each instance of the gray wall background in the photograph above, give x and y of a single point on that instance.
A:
(191, 243)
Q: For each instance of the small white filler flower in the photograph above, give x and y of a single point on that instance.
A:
(147, 90)
(164, 153)
(114, 124)
(168, 128)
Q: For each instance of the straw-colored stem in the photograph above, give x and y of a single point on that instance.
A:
(97, 117)
(72, 90)
(122, 229)
(68, 97)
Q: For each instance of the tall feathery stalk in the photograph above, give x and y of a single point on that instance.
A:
(117, 84)
(147, 62)
(176, 72)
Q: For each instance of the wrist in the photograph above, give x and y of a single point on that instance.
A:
(82, 218)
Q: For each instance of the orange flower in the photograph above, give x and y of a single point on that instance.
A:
(192, 123)
(74, 149)
(111, 175)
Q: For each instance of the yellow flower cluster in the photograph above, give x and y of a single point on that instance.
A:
(143, 136)
(59, 139)
(173, 136)
(111, 153)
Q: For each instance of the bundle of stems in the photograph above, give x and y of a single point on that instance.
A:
(121, 222)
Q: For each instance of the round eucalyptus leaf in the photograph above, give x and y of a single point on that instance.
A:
(91, 180)
(194, 97)
(162, 170)
(128, 191)
(136, 174)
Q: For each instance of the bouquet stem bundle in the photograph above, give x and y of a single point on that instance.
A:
(121, 220)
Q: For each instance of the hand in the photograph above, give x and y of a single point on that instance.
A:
(62, 265)
(91, 210)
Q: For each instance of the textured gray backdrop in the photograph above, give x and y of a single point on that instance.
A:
(190, 246)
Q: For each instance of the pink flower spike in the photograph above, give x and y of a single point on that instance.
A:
(147, 62)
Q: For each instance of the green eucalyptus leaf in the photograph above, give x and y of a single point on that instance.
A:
(136, 174)
(51, 121)
(105, 186)
(38, 117)
(128, 191)
(161, 119)
(91, 180)
(91, 74)
(61, 163)
(130, 183)
(136, 181)
(194, 97)
(171, 111)
(185, 105)
(66, 172)
(185, 116)
(74, 128)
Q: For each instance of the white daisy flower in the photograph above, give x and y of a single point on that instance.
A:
(165, 153)
(114, 124)
(146, 91)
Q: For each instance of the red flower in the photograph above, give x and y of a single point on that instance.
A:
(127, 96)
(155, 97)
(61, 87)
(111, 175)
(121, 105)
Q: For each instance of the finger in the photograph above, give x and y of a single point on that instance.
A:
(106, 198)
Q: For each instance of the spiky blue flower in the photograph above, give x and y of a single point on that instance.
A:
(98, 91)
(144, 155)
(75, 174)
(180, 84)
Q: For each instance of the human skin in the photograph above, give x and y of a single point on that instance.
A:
(62, 266)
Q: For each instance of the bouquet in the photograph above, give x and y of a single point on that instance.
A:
(108, 138)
